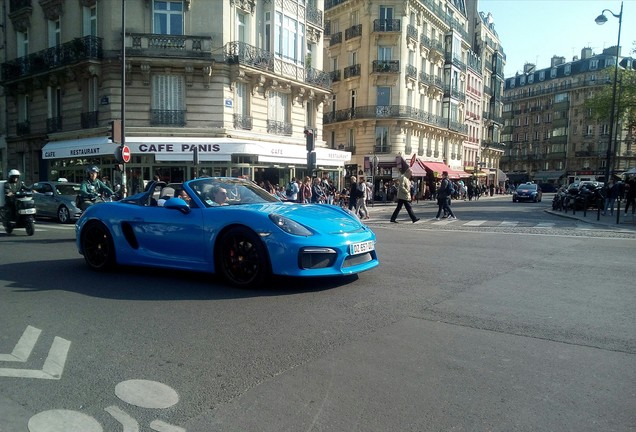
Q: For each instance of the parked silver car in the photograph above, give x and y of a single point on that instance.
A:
(56, 200)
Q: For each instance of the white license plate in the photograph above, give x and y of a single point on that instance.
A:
(362, 247)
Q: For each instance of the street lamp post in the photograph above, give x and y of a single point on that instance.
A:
(600, 20)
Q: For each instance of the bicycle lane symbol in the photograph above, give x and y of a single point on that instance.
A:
(140, 393)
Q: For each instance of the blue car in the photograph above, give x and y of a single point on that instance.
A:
(228, 226)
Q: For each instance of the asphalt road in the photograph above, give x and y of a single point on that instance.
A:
(509, 319)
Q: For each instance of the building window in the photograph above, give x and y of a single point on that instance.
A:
(541, 75)
(289, 38)
(168, 106)
(382, 139)
(553, 73)
(23, 108)
(22, 39)
(89, 17)
(310, 114)
(278, 113)
(567, 69)
(242, 27)
(242, 119)
(167, 17)
(55, 35)
(594, 64)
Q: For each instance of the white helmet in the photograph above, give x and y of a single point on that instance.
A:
(14, 172)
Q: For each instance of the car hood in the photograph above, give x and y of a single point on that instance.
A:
(321, 217)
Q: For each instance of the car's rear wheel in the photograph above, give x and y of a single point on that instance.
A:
(241, 258)
(98, 247)
(63, 215)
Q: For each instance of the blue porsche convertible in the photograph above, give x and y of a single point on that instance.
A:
(228, 226)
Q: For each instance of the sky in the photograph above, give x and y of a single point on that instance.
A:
(532, 31)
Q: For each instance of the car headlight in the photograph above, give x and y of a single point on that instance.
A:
(289, 226)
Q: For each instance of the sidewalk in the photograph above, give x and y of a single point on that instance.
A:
(593, 217)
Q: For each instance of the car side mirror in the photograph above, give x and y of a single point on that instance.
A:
(177, 204)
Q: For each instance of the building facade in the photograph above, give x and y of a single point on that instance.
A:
(230, 86)
(552, 136)
(408, 84)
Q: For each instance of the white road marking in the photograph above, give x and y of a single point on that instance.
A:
(146, 394)
(545, 225)
(129, 423)
(475, 223)
(509, 224)
(161, 426)
(53, 365)
(63, 421)
(25, 345)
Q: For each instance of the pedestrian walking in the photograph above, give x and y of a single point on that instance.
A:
(630, 194)
(404, 196)
(443, 197)
(363, 192)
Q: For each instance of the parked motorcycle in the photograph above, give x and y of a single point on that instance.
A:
(23, 216)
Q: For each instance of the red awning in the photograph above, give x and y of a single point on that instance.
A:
(421, 169)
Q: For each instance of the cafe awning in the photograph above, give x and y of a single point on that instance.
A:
(79, 148)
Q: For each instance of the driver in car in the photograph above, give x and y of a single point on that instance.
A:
(219, 196)
(92, 188)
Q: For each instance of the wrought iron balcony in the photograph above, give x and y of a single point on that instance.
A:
(23, 128)
(244, 54)
(335, 38)
(167, 117)
(431, 80)
(53, 124)
(351, 71)
(385, 111)
(69, 53)
(382, 148)
(279, 128)
(386, 66)
(89, 119)
(454, 92)
(411, 71)
(333, 3)
(354, 31)
(411, 32)
(387, 25)
(313, 16)
(15, 5)
(153, 45)
(242, 122)
(335, 75)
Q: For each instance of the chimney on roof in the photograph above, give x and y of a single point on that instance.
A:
(613, 50)
(586, 53)
(575, 58)
(557, 60)
(529, 68)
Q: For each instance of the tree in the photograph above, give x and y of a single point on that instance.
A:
(601, 102)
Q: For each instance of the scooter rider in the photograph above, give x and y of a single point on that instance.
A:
(92, 187)
(11, 187)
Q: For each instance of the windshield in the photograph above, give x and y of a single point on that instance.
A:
(217, 191)
(527, 187)
(68, 189)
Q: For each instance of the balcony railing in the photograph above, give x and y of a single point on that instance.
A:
(53, 124)
(75, 51)
(89, 119)
(387, 25)
(167, 117)
(431, 80)
(335, 38)
(313, 16)
(411, 32)
(279, 128)
(354, 31)
(351, 71)
(242, 122)
(386, 66)
(23, 128)
(411, 71)
(139, 44)
(385, 111)
(244, 54)
(335, 75)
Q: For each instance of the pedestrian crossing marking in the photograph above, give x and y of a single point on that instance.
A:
(476, 222)
(508, 224)
(545, 225)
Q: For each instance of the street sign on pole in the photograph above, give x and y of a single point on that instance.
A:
(125, 154)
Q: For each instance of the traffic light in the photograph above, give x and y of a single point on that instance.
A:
(311, 162)
(311, 144)
(115, 131)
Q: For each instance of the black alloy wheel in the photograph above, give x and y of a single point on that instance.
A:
(241, 258)
(98, 247)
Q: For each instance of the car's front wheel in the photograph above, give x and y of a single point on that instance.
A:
(241, 258)
(63, 215)
(98, 247)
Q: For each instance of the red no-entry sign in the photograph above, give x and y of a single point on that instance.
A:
(125, 154)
